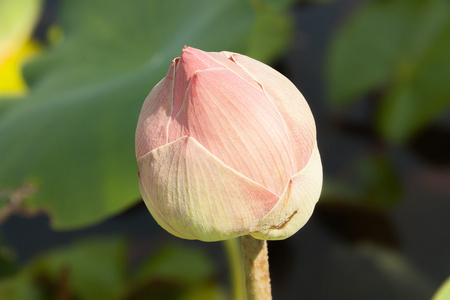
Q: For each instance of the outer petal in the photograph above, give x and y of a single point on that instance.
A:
(238, 124)
(154, 119)
(193, 195)
(225, 59)
(296, 205)
(290, 103)
(191, 60)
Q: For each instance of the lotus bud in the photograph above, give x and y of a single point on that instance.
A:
(226, 146)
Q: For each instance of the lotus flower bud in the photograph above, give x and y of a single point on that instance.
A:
(226, 146)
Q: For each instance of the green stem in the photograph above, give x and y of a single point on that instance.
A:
(234, 256)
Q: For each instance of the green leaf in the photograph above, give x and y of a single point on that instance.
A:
(279, 4)
(271, 31)
(316, 1)
(176, 272)
(90, 269)
(400, 46)
(85, 270)
(17, 288)
(98, 269)
(186, 265)
(205, 293)
(7, 263)
(72, 138)
(444, 291)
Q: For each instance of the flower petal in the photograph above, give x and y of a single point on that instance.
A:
(154, 119)
(225, 59)
(193, 195)
(238, 124)
(290, 103)
(296, 205)
(191, 60)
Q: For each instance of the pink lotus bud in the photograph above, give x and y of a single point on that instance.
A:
(226, 146)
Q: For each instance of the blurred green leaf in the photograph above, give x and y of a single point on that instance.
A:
(176, 263)
(93, 269)
(316, 1)
(378, 181)
(88, 270)
(271, 32)
(397, 269)
(4, 102)
(176, 272)
(400, 46)
(97, 269)
(19, 287)
(444, 291)
(73, 136)
(7, 263)
(204, 293)
(278, 4)
(371, 182)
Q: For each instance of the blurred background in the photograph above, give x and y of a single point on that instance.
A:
(73, 77)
